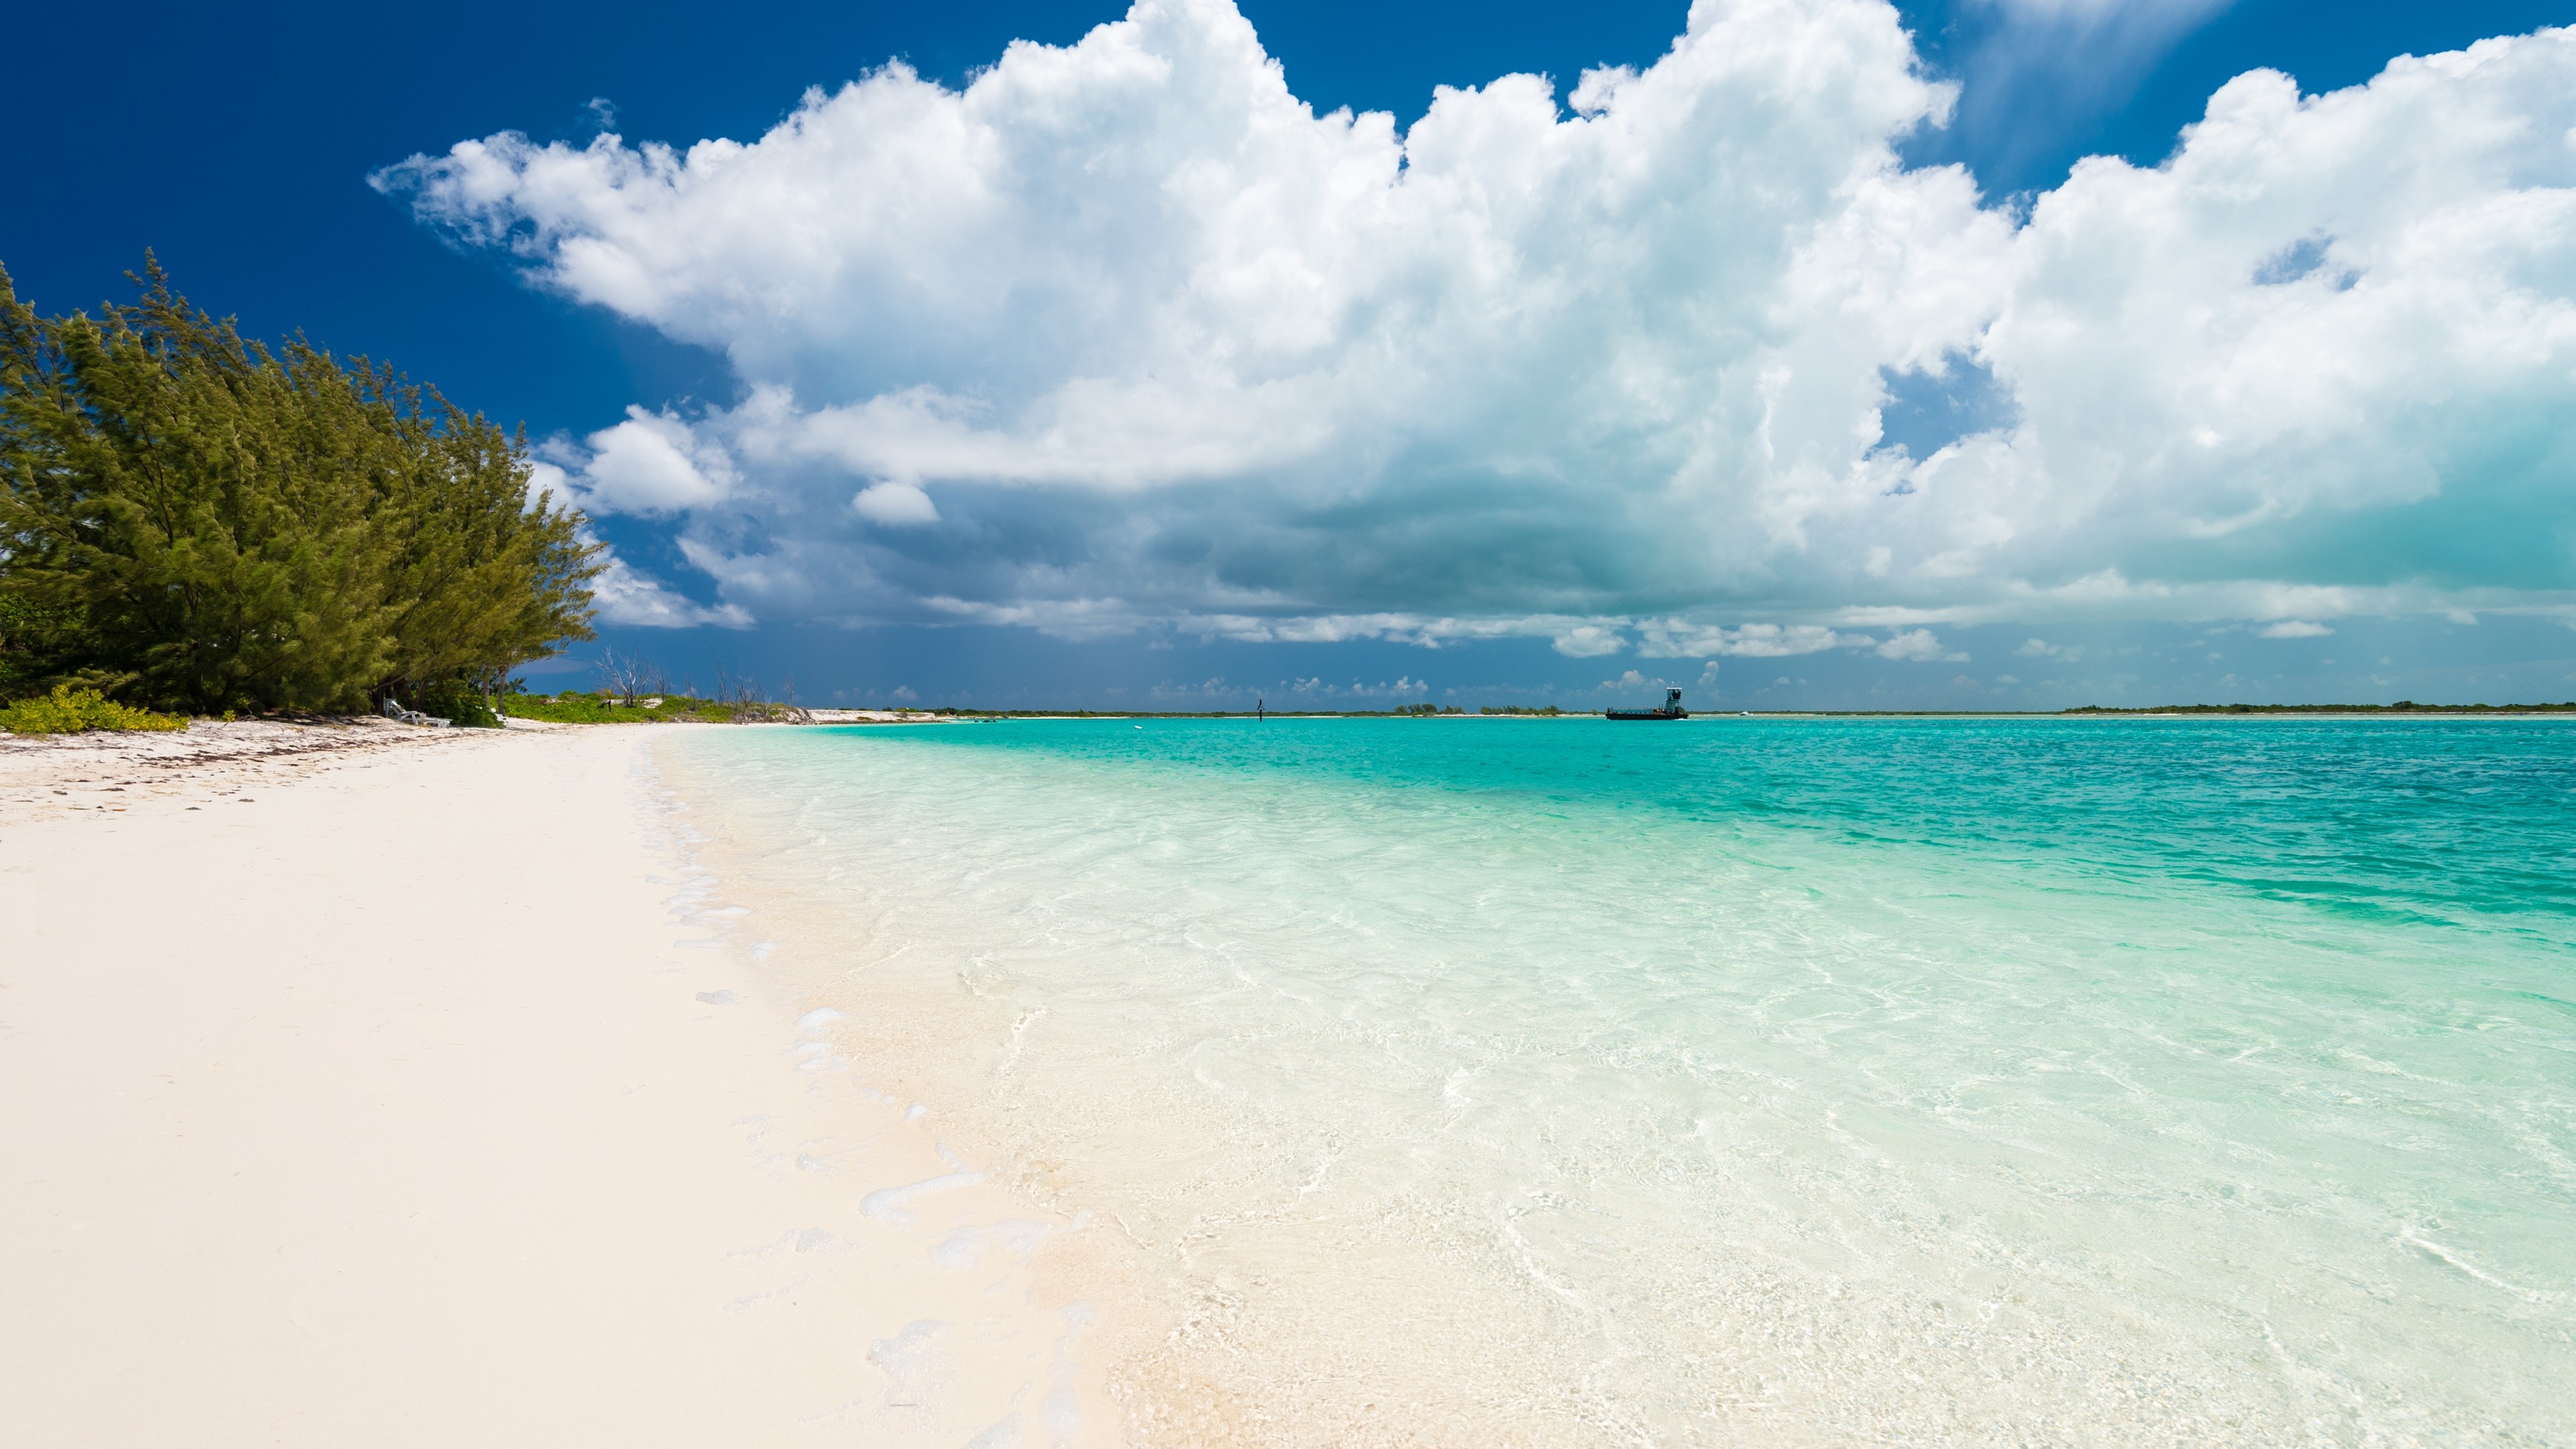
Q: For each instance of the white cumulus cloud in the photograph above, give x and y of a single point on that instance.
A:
(629, 596)
(895, 503)
(652, 463)
(1916, 644)
(1679, 638)
(1172, 348)
(1589, 641)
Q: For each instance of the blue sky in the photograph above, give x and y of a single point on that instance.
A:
(1524, 397)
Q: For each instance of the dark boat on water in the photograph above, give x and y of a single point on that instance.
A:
(1672, 709)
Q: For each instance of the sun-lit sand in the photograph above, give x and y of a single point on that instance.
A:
(382, 1087)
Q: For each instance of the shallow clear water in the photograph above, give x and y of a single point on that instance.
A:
(1737, 1081)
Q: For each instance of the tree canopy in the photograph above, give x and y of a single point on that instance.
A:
(190, 521)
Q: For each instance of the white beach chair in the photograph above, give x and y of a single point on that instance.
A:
(395, 711)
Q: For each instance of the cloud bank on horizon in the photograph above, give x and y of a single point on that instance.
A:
(1123, 335)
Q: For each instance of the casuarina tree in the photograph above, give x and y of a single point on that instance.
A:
(191, 521)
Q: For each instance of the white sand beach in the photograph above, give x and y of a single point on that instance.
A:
(393, 1087)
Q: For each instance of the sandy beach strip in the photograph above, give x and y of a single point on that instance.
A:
(382, 1086)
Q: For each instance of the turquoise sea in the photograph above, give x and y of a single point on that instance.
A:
(1735, 1081)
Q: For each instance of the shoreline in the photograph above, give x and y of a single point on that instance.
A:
(405, 1087)
(556, 1084)
(1383, 1172)
(2254, 712)
(936, 1030)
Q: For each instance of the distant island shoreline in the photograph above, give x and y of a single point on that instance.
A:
(2362, 711)
(617, 706)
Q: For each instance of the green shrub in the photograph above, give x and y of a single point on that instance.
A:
(68, 711)
(456, 702)
(594, 709)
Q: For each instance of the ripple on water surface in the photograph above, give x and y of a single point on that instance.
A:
(1564, 1082)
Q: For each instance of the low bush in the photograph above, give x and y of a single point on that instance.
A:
(601, 709)
(457, 703)
(605, 708)
(68, 711)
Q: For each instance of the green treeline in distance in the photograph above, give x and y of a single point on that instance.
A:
(1402, 711)
(2403, 706)
(189, 521)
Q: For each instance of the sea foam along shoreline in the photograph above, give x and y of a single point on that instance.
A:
(402, 1095)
